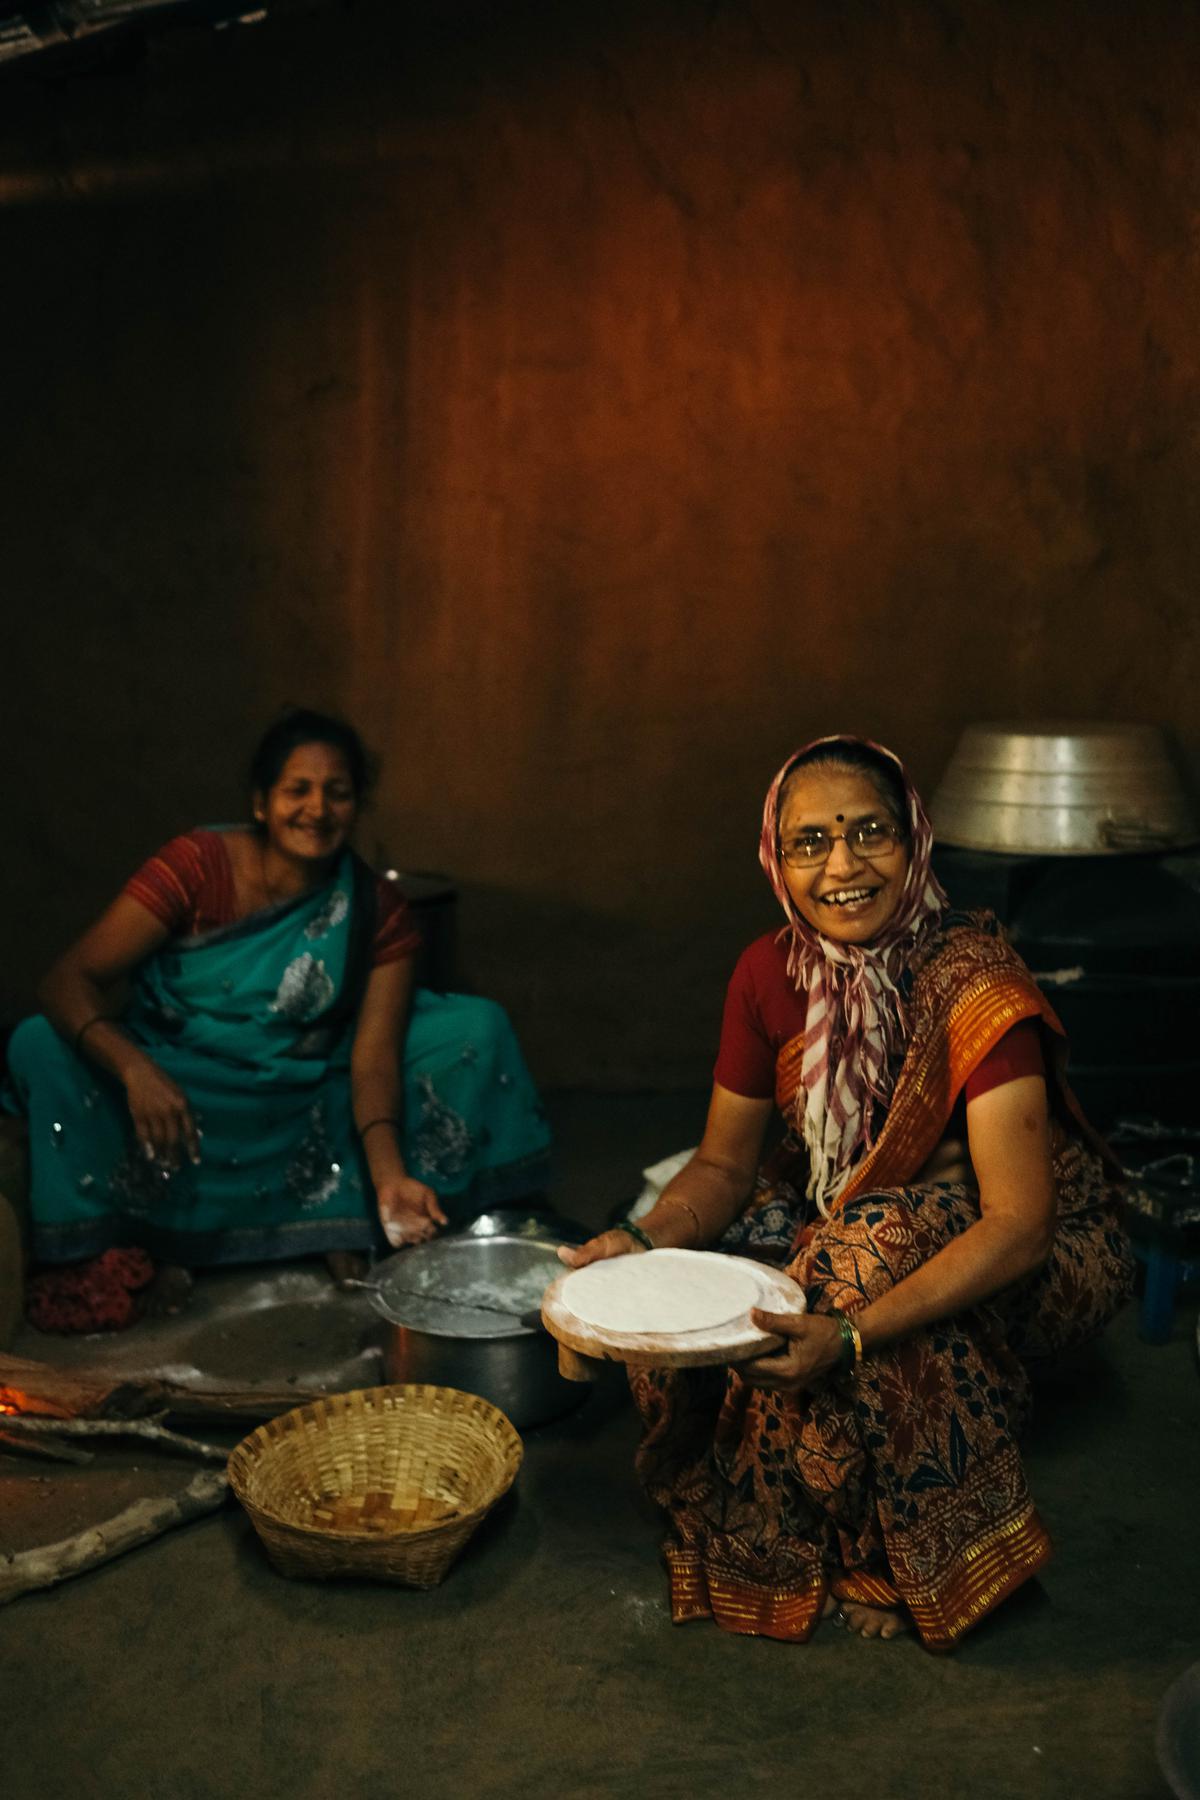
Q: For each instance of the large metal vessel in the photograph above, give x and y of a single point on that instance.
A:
(1063, 789)
(1077, 837)
(444, 1303)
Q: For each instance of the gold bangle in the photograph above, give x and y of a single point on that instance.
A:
(689, 1210)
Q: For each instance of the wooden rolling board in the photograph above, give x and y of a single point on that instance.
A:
(735, 1341)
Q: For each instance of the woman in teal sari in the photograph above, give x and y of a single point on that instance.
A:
(273, 1086)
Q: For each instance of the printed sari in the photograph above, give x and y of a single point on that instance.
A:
(255, 1023)
(900, 1481)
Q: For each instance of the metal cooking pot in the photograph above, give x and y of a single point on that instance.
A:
(444, 1305)
(1063, 789)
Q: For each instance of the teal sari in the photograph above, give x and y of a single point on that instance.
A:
(255, 1022)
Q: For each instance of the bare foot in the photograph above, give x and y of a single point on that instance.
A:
(168, 1293)
(346, 1266)
(872, 1621)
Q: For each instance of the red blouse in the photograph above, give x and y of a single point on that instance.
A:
(188, 886)
(763, 1012)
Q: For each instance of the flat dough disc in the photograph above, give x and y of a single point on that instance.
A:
(663, 1291)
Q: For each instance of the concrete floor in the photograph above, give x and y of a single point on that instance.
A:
(546, 1664)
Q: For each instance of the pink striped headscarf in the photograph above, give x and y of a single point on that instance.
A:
(855, 1022)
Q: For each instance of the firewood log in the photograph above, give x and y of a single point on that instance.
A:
(25, 1570)
(17, 1443)
(66, 1394)
(39, 1388)
(18, 1423)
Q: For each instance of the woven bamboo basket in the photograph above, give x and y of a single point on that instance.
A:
(386, 1483)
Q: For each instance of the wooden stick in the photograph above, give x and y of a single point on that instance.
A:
(140, 1428)
(217, 1404)
(25, 1570)
(19, 1444)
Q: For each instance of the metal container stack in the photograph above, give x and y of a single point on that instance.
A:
(1077, 837)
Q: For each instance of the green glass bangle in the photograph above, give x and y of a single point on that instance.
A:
(636, 1233)
(851, 1343)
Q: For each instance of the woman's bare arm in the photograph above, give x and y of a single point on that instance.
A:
(376, 1058)
(79, 987)
(408, 1209)
(78, 994)
(1008, 1130)
(709, 1191)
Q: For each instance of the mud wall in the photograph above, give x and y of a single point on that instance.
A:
(593, 402)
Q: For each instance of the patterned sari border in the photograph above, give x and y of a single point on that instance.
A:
(790, 1613)
(991, 1571)
(865, 1589)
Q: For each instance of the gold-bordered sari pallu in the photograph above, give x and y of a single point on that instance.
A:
(969, 988)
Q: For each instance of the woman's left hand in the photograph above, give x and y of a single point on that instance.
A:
(408, 1211)
(813, 1348)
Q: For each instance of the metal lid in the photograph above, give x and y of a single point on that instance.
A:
(1061, 788)
(462, 1287)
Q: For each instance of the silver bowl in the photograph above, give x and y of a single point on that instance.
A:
(444, 1305)
(1063, 789)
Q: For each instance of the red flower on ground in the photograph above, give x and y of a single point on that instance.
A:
(97, 1295)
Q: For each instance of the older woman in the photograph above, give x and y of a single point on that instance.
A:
(273, 1086)
(940, 1198)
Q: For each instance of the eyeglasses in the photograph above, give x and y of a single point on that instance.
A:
(870, 839)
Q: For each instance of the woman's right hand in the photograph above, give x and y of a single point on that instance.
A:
(161, 1115)
(409, 1210)
(609, 1243)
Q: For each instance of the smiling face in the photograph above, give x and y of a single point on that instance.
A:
(849, 898)
(309, 813)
